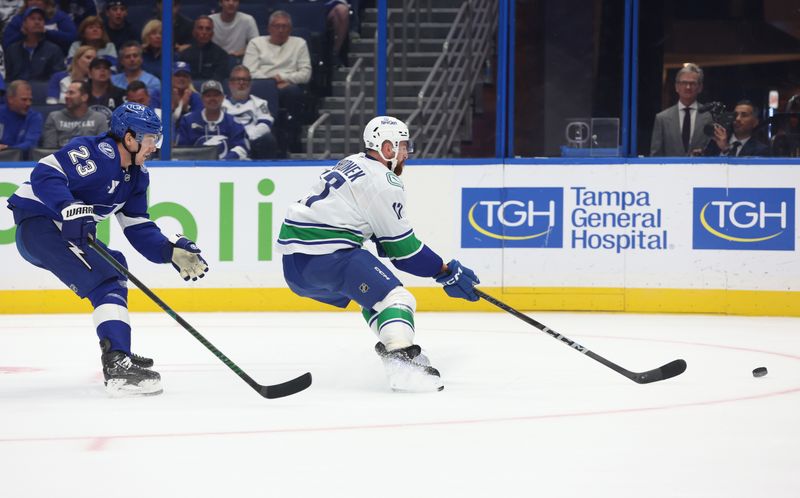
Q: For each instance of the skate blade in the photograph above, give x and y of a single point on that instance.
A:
(406, 378)
(119, 388)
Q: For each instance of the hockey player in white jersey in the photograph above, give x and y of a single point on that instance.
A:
(321, 239)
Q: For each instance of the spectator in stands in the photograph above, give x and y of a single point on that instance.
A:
(33, 57)
(103, 92)
(131, 62)
(786, 141)
(151, 47)
(58, 26)
(137, 92)
(119, 30)
(212, 126)
(78, 10)
(208, 60)
(185, 97)
(339, 21)
(741, 142)
(284, 59)
(78, 70)
(21, 125)
(75, 120)
(251, 112)
(233, 29)
(91, 32)
(181, 26)
(678, 130)
(2, 67)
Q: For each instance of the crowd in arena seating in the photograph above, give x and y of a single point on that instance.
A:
(259, 65)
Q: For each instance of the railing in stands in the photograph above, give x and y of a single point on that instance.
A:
(323, 119)
(351, 105)
(444, 99)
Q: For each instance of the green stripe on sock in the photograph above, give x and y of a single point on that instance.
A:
(396, 313)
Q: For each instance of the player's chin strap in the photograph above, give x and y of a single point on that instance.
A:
(133, 154)
(391, 163)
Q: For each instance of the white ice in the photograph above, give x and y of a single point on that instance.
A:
(522, 415)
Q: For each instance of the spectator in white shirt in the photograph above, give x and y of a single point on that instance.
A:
(251, 112)
(233, 29)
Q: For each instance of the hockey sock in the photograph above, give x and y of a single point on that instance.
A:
(110, 316)
(392, 319)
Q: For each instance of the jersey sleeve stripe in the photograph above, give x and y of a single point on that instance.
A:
(126, 221)
(53, 163)
(309, 234)
(320, 225)
(397, 237)
(403, 248)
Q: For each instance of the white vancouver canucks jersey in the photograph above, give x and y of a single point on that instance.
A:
(356, 199)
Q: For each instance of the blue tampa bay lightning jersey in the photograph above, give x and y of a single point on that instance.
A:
(89, 170)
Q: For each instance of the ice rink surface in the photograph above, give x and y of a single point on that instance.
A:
(522, 415)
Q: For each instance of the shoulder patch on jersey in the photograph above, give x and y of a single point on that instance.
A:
(143, 168)
(394, 179)
(107, 149)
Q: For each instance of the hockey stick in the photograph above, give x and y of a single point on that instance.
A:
(275, 391)
(671, 369)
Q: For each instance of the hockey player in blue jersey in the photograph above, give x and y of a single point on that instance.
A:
(362, 198)
(56, 212)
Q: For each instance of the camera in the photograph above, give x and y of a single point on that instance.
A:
(719, 115)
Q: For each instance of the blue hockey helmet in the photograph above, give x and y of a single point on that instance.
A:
(136, 118)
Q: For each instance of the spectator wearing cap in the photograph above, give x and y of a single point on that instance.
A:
(92, 32)
(58, 26)
(284, 59)
(185, 97)
(208, 60)
(213, 126)
(75, 120)
(137, 92)
(78, 70)
(20, 126)
(103, 92)
(233, 29)
(119, 30)
(151, 47)
(131, 62)
(251, 112)
(33, 57)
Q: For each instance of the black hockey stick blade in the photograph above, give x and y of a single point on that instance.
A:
(270, 392)
(671, 369)
(668, 371)
(287, 388)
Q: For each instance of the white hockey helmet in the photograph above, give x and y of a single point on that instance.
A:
(383, 128)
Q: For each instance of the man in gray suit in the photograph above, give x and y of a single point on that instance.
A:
(678, 130)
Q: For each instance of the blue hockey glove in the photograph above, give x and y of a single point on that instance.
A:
(78, 223)
(186, 258)
(458, 281)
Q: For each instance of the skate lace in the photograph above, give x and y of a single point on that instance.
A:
(125, 363)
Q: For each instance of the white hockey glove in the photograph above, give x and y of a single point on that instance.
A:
(186, 258)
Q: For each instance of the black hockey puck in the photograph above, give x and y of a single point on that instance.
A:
(760, 372)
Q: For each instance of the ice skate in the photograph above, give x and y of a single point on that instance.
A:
(142, 361)
(123, 377)
(409, 370)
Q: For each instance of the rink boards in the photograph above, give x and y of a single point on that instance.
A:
(718, 238)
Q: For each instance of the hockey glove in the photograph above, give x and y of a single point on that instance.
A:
(186, 258)
(78, 223)
(458, 281)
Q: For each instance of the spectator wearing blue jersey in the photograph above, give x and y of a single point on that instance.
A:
(58, 26)
(56, 214)
(78, 70)
(33, 57)
(213, 126)
(20, 126)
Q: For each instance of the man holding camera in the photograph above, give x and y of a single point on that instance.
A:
(678, 130)
(741, 142)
